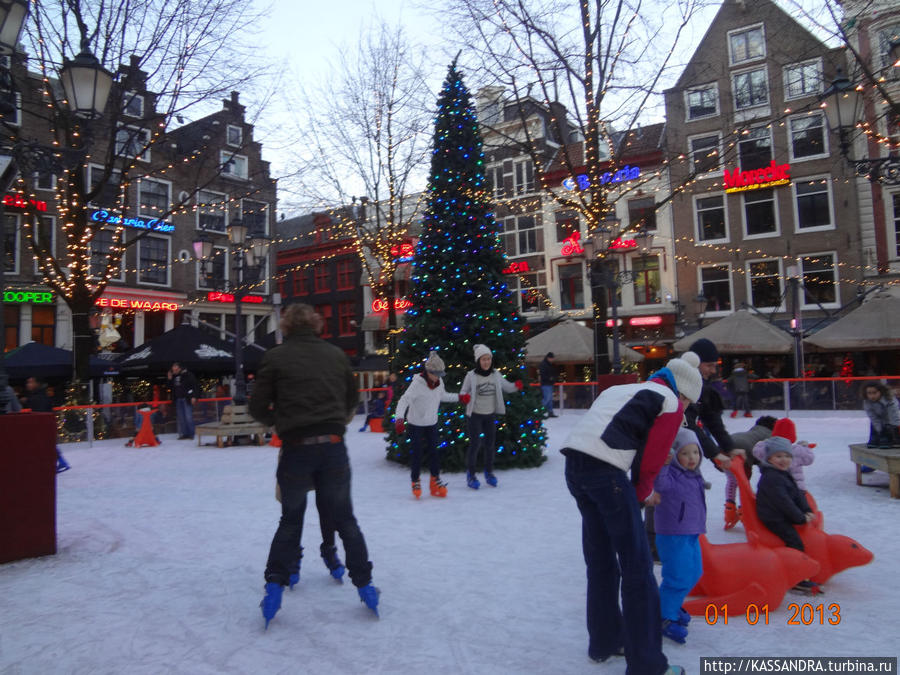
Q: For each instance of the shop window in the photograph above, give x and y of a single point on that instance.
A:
(43, 325)
(571, 287)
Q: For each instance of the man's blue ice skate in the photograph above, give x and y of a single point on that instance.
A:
(333, 563)
(369, 595)
(271, 603)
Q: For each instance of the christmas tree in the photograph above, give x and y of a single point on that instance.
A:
(459, 296)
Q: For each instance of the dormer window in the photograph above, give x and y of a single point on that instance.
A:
(234, 136)
(133, 104)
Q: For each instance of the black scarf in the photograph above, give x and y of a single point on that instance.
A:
(484, 373)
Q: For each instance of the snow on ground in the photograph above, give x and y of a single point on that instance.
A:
(161, 554)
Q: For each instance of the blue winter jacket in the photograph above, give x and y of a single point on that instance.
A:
(682, 509)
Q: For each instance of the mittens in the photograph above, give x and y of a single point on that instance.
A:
(400, 426)
(465, 398)
(519, 385)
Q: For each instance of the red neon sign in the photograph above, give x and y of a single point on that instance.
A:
(137, 305)
(17, 202)
(645, 320)
(623, 244)
(216, 296)
(403, 251)
(571, 246)
(770, 176)
(400, 304)
(516, 267)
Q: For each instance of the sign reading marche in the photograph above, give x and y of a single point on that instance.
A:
(766, 177)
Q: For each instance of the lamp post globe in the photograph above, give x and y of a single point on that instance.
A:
(86, 83)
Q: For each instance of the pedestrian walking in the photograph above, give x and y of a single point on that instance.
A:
(547, 372)
(184, 392)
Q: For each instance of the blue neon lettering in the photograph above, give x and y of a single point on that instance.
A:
(622, 175)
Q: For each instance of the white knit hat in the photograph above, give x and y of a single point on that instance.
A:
(688, 380)
(482, 350)
(435, 364)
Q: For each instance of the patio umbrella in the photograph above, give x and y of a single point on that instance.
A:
(571, 342)
(873, 325)
(193, 348)
(253, 354)
(741, 333)
(38, 360)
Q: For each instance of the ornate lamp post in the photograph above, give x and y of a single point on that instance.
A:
(247, 261)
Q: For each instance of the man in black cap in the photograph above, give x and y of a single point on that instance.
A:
(548, 379)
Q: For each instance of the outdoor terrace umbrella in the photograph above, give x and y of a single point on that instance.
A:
(195, 349)
(571, 342)
(741, 333)
(873, 325)
(38, 360)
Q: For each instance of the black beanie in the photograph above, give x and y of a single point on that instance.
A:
(706, 350)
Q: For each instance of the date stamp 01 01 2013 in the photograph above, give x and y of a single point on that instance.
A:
(800, 614)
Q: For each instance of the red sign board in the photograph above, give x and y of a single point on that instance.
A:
(623, 244)
(645, 320)
(216, 296)
(571, 246)
(18, 202)
(403, 251)
(517, 268)
(137, 305)
(770, 176)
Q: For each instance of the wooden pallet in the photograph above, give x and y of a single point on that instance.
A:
(887, 460)
(236, 421)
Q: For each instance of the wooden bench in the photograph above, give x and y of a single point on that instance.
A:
(887, 460)
(236, 421)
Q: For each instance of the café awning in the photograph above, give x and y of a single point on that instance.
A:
(571, 342)
(741, 333)
(873, 325)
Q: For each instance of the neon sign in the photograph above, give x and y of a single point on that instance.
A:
(645, 320)
(103, 216)
(215, 296)
(400, 304)
(33, 297)
(770, 176)
(517, 268)
(623, 244)
(138, 305)
(17, 202)
(403, 252)
(571, 246)
(582, 182)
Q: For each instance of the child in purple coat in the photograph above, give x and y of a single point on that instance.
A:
(680, 519)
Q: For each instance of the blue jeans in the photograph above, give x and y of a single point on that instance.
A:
(325, 468)
(482, 433)
(682, 568)
(547, 397)
(424, 439)
(184, 414)
(616, 555)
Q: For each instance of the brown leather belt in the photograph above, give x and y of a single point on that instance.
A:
(317, 440)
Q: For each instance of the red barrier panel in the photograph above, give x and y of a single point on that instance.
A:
(27, 485)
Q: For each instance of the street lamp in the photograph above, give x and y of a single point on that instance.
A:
(605, 278)
(843, 105)
(702, 304)
(247, 261)
(794, 279)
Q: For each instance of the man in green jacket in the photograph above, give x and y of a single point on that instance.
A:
(306, 389)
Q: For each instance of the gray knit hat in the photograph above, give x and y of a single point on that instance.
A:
(435, 364)
(777, 444)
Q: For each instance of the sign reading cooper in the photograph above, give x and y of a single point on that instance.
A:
(28, 297)
(104, 216)
(769, 176)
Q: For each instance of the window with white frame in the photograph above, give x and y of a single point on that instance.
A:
(234, 165)
(566, 224)
(495, 176)
(764, 281)
(11, 232)
(255, 216)
(813, 203)
(571, 286)
(44, 180)
(642, 213)
(153, 260)
(213, 271)
(820, 279)
(887, 36)
(212, 210)
(101, 246)
(702, 101)
(523, 234)
(803, 79)
(646, 280)
(109, 192)
(760, 213)
(746, 44)
(807, 136)
(234, 135)
(14, 117)
(45, 235)
(755, 148)
(154, 197)
(531, 290)
(523, 175)
(715, 287)
(133, 142)
(710, 218)
(133, 104)
(751, 88)
(704, 153)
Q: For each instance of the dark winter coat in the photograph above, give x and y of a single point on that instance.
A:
(37, 400)
(682, 509)
(547, 372)
(740, 381)
(779, 498)
(747, 440)
(184, 385)
(705, 418)
(882, 412)
(305, 387)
